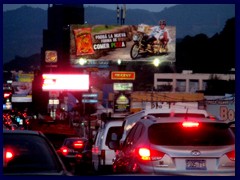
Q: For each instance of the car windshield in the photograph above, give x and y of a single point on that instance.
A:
(29, 154)
(207, 134)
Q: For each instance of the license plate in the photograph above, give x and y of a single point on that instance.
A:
(196, 165)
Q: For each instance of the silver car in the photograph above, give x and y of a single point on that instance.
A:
(178, 146)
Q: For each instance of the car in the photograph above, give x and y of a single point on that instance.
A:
(27, 152)
(131, 119)
(177, 146)
(102, 155)
(73, 152)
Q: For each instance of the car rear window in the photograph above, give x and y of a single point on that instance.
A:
(207, 134)
(117, 130)
(31, 154)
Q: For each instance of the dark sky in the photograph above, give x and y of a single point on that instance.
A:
(149, 7)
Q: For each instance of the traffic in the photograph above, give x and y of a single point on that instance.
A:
(121, 99)
(185, 143)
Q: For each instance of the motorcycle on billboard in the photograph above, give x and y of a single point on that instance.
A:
(150, 40)
(141, 48)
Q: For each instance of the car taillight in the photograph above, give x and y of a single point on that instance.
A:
(78, 144)
(190, 124)
(231, 155)
(144, 153)
(8, 155)
(64, 150)
(147, 154)
(95, 149)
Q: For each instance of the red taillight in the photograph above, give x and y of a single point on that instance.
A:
(231, 155)
(8, 155)
(190, 124)
(6, 95)
(64, 150)
(147, 154)
(95, 150)
(144, 153)
(78, 144)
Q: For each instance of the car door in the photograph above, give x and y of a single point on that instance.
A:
(129, 146)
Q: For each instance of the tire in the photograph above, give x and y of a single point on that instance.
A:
(134, 52)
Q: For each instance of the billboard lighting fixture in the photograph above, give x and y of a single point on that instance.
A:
(119, 61)
(82, 61)
(156, 62)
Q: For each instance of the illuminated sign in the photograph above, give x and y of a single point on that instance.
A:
(53, 101)
(122, 102)
(50, 56)
(25, 78)
(122, 75)
(77, 82)
(122, 86)
(113, 42)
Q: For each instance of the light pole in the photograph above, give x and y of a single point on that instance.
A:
(118, 14)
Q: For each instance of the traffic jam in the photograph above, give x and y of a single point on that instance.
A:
(115, 130)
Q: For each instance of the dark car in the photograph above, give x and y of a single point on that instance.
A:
(30, 153)
(178, 146)
(76, 153)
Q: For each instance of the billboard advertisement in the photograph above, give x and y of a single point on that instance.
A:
(22, 88)
(122, 102)
(100, 44)
(222, 107)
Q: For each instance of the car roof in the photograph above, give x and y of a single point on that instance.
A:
(30, 132)
(180, 119)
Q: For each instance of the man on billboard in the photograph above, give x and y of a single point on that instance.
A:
(159, 33)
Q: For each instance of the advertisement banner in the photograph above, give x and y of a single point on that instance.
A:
(122, 102)
(22, 88)
(222, 107)
(113, 42)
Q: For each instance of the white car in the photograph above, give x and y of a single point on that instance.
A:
(102, 156)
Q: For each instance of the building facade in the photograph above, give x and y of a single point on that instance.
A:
(186, 81)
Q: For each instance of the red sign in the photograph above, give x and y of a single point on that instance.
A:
(122, 75)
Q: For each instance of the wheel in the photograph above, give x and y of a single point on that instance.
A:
(134, 51)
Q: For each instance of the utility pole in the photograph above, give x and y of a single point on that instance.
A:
(124, 14)
(118, 14)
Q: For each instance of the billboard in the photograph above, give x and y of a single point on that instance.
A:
(22, 88)
(70, 82)
(100, 44)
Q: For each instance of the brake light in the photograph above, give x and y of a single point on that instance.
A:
(144, 153)
(78, 144)
(8, 155)
(231, 155)
(190, 124)
(147, 154)
(7, 95)
(64, 150)
(95, 150)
